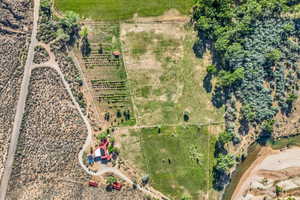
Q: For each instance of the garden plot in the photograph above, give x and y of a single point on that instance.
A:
(178, 159)
(105, 73)
(166, 78)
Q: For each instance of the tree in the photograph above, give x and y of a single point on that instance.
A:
(69, 23)
(46, 7)
(248, 112)
(292, 98)
(85, 45)
(273, 56)
(102, 136)
(225, 137)
(211, 69)
(186, 116)
(290, 198)
(225, 162)
(186, 197)
(268, 125)
(226, 79)
(278, 190)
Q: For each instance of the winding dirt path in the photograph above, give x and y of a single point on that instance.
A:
(20, 105)
(29, 66)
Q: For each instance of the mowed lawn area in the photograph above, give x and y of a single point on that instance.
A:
(165, 76)
(122, 9)
(178, 159)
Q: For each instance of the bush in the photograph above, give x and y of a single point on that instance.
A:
(102, 136)
(225, 162)
(225, 137)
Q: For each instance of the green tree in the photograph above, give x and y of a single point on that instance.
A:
(268, 125)
(211, 69)
(291, 98)
(226, 78)
(225, 162)
(248, 112)
(274, 55)
(278, 190)
(85, 45)
(46, 7)
(225, 137)
(102, 136)
(61, 36)
(70, 24)
(110, 180)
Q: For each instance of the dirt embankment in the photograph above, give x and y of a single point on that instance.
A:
(15, 30)
(272, 168)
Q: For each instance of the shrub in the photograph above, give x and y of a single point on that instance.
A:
(225, 162)
(225, 137)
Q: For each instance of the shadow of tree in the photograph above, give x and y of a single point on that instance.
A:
(207, 83)
(220, 179)
(244, 127)
(200, 46)
(219, 97)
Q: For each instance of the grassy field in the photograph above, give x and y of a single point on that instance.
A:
(284, 142)
(178, 159)
(122, 9)
(165, 75)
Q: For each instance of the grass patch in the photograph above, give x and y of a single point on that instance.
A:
(122, 9)
(284, 142)
(175, 76)
(177, 159)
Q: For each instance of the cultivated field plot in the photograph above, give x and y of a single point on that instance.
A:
(105, 73)
(165, 76)
(178, 159)
(122, 9)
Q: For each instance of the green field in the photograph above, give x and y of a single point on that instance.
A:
(122, 9)
(284, 142)
(184, 174)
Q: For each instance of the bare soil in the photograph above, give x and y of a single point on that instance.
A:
(272, 167)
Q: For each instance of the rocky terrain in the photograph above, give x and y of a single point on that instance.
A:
(46, 164)
(15, 25)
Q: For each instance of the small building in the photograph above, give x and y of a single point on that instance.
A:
(98, 154)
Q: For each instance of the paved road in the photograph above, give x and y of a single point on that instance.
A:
(20, 106)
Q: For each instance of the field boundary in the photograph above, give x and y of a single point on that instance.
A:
(170, 125)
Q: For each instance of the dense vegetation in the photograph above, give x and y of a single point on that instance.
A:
(255, 50)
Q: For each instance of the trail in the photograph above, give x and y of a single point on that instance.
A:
(20, 105)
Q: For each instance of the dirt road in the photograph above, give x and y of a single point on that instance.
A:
(20, 105)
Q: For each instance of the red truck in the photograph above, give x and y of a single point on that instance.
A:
(93, 184)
